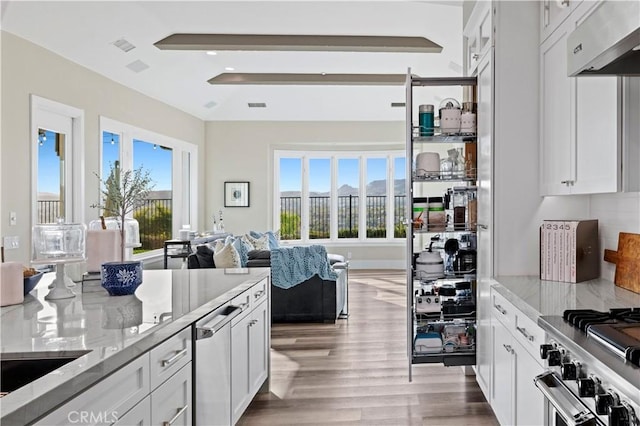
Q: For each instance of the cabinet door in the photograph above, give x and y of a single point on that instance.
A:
(555, 115)
(485, 168)
(598, 111)
(240, 381)
(258, 347)
(529, 402)
(483, 338)
(478, 35)
(502, 373)
(171, 401)
(553, 13)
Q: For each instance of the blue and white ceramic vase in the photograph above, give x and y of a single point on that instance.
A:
(121, 278)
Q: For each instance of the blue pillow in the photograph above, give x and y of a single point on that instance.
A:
(274, 241)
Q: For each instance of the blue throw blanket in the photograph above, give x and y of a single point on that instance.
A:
(291, 266)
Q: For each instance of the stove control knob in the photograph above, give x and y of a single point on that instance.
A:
(586, 387)
(554, 357)
(619, 416)
(604, 400)
(569, 371)
(544, 350)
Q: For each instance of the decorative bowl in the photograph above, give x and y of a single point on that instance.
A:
(121, 278)
(31, 282)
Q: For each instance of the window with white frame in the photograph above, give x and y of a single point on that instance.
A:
(172, 165)
(339, 196)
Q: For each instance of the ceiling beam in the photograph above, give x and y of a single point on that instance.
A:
(309, 79)
(302, 43)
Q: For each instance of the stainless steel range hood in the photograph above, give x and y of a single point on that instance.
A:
(607, 42)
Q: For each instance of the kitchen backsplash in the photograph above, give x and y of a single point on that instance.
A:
(616, 213)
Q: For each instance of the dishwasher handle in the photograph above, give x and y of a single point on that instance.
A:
(210, 328)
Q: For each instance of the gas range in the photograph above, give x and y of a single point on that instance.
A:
(593, 376)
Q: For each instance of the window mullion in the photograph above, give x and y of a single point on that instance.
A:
(333, 215)
(304, 214)
(362, 204)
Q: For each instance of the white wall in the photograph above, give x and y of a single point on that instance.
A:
(243, 151)
(29, 69)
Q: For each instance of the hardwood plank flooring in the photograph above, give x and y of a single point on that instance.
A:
(355, 372)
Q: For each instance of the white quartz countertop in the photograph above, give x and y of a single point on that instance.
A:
(113, 329)
(535, 297)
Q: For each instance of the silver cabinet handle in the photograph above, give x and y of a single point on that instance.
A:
(475, 56)
(483, 227)
(564, 3)
(178, 414)
(523, 331)
(168, 362)
(259, 294)
(243, 305)
(500, 309)
(508, 348)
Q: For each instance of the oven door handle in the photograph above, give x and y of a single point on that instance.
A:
(566, 403)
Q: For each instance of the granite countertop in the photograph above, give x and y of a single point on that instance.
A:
(535, 297)
(113, 329)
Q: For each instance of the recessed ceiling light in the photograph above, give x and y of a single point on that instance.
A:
(123, 45)
(257, 105)
(211, 53)
(137, 66)
(229, 69)
(210, 104)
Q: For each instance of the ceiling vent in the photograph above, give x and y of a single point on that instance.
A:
(398, 104)
(124, 45)
(210, 104)
(137, 66)
(257, 105)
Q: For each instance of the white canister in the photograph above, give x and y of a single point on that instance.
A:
(468, 122)
(450, 115)
(428, 164)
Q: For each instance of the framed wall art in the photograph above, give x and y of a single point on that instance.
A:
(236, 194)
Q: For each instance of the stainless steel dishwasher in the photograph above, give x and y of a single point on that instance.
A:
(213, 367)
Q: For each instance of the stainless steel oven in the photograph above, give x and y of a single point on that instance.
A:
(589, 380)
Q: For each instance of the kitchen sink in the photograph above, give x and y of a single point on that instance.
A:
(18, 371)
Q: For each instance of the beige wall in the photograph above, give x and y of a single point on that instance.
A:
(243, 151)
(29, 69)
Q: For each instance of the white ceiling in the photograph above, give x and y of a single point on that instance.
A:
(84, 32)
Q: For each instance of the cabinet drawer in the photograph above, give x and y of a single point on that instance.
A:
(242, 300)
(170, 356)
(259, 292)
(140, 415)
(502, 309)
(171, 402)
(117, 393)
(528, 333)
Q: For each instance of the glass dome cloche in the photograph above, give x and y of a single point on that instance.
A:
(59, 243)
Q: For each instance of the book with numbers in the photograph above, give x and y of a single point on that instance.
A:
(569, 250)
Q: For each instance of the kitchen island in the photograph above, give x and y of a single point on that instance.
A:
(105, 332)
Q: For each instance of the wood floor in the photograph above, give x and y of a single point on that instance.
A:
(355, 372)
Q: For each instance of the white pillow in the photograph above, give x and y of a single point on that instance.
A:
(226, 256)
(261, 243)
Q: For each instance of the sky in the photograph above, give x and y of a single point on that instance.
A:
(320, 172)
(157, 161)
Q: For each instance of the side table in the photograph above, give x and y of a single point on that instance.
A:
(176, 249)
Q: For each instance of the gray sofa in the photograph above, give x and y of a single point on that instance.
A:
(314, 300)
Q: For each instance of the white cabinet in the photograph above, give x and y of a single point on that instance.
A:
(171, 401)
(529, 402)
(552, 14)
(516, 338)
(170, 356)
(579, 120)
(108, 399)
(258, 337)
(478, 35)
(502, 373)
(249, 353)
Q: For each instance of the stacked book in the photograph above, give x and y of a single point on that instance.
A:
(569, 250)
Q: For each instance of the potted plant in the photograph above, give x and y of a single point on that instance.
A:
(122, 192)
